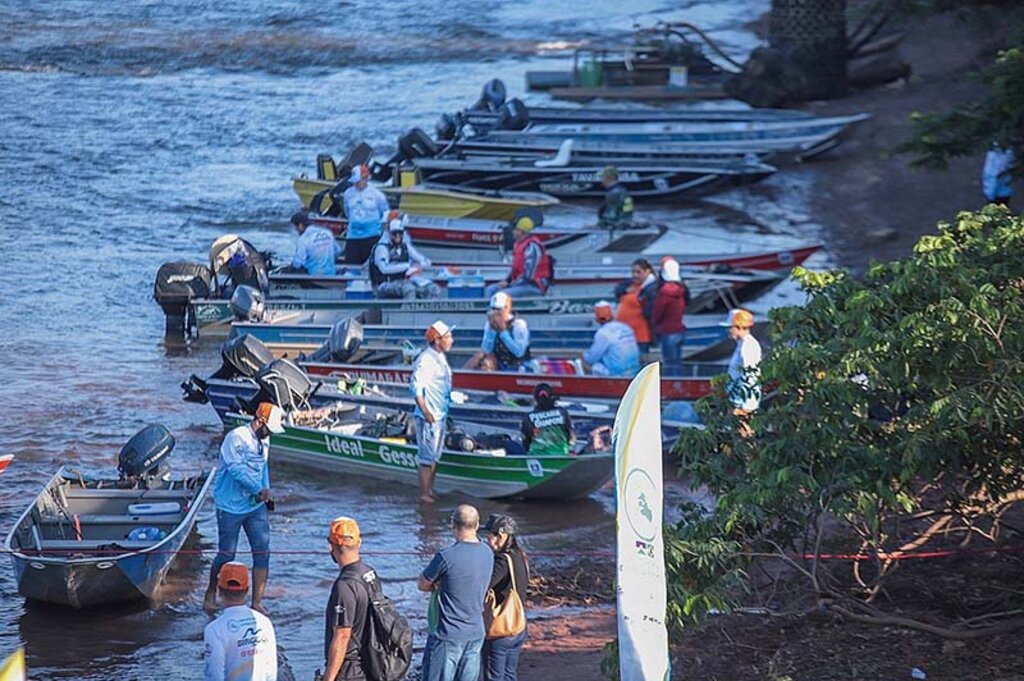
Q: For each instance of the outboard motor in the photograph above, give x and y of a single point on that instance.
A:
(177, 285)
(344, 340)
(492, 96)
(284, 384)
(241, 357)
(416, 144)
(513, 115)
(143, 457)
(447, 127)
(247, 304)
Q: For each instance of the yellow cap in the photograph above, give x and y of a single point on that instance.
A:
(344, 532)
(525, 223)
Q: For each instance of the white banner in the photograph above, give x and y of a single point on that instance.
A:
(643, 639)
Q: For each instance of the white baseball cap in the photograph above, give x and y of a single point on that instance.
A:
(438, 330)
(397, 225)
(499, 300)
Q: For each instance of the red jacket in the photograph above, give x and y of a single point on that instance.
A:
(530, 266)
(669, 308)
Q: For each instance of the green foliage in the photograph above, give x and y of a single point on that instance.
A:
(898, 393)
(998, 117)
(610, 660)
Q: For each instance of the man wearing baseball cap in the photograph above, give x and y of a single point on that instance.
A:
(506, 340)
(396, 266)
(348, 606)
(617, 210)
(531, 265)
(241, 493)
(744, 386)
(365, 208)
(431, 387)
(316, 248)
(614, 351)
(240, 644)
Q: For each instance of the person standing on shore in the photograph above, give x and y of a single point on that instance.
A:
(348, 608)
(667, 318)
(996, 180)
(457, 578)
(241, 493)
(511, 571)
(240, 645)
(431, 386)
(744, 385)
(617, 210)
(365, 207)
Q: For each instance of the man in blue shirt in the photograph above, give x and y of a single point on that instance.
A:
(241, 492)
(431, 386)
(506, 341)
(316, 248)
(457, 578)
(365, 207)
(614, 351)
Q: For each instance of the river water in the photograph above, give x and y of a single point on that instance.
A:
(134, 133)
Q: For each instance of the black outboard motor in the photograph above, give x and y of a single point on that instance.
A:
(177, 285)
(416, 144)
(247, 304)
(447, 127)
(143, 457)
(241, 357)
(284, 384)
(492, 96)
(513, 115)
(344, 340)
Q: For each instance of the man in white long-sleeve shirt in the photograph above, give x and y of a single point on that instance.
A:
(240, 645)
(396, 266)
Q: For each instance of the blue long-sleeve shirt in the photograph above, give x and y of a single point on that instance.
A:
(365, 211)
(614, 351)
(315, 251)
(516, 338)
(243, 471)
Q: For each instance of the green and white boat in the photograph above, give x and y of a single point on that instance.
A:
(335, 440)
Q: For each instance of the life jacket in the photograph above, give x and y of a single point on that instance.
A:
(542, 273)
(399, 253)
(506, 358)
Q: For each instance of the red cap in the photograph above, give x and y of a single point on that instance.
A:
(233, 577)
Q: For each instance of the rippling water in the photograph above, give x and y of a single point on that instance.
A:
(132, 133)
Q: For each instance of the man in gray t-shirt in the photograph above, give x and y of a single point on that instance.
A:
(457, 577)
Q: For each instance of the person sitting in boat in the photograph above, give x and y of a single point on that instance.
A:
(614, 351)
(636, 302)
(531, 265)
(396, 266)
(506, 342)
(547, 430)
(316, 248)
(617, 210)
(365, 208)
(241, 642)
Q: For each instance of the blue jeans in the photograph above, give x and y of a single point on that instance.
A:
(672, 352)
(501, 657)
(516, 292)
(257, 529)
(451, 660)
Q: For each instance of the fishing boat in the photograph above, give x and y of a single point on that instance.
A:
(89, 541)
(693, 384)
(427, 230)
(5, 461)
(357, 440)
(642, 180)
(435, 200)
(483, 119)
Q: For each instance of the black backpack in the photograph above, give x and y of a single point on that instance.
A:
(386, 649)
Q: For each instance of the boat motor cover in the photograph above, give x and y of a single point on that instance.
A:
(244, 356)
(345, 338)
(416, 144)
(284, 384)
(145, 452)
(492, 96)
(247, 304)
(179, 283)
(513, 115)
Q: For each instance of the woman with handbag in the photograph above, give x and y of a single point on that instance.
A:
(504, 606)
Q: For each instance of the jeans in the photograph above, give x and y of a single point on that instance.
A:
(501, 658)
(257, 529)
(452, 660)
(516, 292)
(672, 352)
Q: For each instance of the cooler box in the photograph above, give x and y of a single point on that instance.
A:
(359, 290)
(466, 287)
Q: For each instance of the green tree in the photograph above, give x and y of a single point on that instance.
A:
(898, 427)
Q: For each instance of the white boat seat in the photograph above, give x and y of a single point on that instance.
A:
(69, 546)
(561, 159)
(104, 519)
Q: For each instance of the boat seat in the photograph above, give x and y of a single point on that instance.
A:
(107, 519)
(561, 159)
(94, 544)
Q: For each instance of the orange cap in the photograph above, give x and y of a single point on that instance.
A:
(437, 330)
(344, 532)
(603, 311)
(740, 318)
(233, 577)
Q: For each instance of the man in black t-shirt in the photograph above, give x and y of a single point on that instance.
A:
(348, 607)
